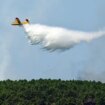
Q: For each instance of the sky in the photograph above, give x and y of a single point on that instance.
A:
(20, 60)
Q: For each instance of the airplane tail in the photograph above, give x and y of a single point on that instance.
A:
(26, 22)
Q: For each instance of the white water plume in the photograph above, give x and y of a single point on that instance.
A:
(57, 38)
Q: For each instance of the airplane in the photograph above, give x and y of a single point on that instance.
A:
(17, 22)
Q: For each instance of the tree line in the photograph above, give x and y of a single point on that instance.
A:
(51, 92)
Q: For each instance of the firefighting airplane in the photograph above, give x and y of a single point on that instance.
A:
(17, 22)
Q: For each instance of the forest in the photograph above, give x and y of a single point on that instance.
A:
(51, 92)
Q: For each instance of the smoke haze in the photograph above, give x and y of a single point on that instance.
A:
(4, 59)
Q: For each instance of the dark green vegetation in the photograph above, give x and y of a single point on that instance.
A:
(51, 92)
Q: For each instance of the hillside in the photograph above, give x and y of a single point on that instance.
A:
(51, 92)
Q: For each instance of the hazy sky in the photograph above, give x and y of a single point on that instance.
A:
(20, 60)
